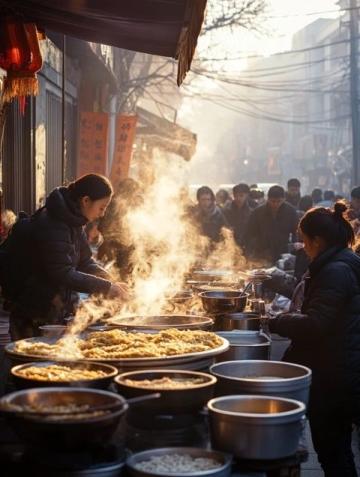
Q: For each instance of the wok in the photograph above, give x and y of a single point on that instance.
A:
(181, 297)
(223, 302)
(174, 401)
(217, 287)
(210, 275)
(53, 331)
(103, 382)
(162, 322)
(237, 321)
(77, 433)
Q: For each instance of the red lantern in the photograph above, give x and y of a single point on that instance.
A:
(20, 57)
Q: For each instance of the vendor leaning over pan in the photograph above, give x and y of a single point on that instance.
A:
(58, 256)
(325, 336)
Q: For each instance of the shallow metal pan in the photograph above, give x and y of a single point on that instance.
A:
(223, 471)
(162, 322)
(121, 363)
(22, 382)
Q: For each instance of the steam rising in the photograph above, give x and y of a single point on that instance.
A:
(166, 244)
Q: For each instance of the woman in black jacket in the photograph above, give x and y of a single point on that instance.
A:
(326, 336)
(59, 258)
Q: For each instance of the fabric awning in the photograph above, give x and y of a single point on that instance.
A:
(159, 132)
(159, 27)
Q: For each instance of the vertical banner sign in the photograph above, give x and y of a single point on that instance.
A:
(93, 143)
(125, 134)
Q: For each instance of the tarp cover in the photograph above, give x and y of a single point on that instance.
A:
(159, 27)
(159, 132)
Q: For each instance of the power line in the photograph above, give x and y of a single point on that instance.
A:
(307, 79)
(306, 14)
(286, 67)
(279, 53)
(253, 104)
(263, 87)
(278, 120)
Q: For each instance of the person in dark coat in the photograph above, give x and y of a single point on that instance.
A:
(286, 283)
(317, 195)
(117, 244)
(207, 215)
(325, 336)
(60, 258)
(306, 203)
(354, 209)
(222, 198)
(293, 193)
(269, 227)
(238, 212)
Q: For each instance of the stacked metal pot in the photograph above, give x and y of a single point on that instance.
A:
(255, 406)
(260, 404)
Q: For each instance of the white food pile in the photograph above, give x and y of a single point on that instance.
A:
(177, 463)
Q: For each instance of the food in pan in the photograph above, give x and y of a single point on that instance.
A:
(165, 383)
(57, 372)
(177, 463)
(117, 344)
(63, 412)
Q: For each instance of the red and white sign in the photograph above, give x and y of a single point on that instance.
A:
(125, 135)
(93, 147)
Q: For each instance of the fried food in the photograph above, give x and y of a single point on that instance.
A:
(177, 463)
(165, 383)
(63, 412)
(57, 372)
(118, 344)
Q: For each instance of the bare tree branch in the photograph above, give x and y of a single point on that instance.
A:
(137, 73)
(233, 14)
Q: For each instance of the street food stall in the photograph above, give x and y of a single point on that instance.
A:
(149, 396)
(152, 395)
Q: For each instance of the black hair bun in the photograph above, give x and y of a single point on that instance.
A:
(339, 209)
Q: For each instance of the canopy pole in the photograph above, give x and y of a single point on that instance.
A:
(63, 71)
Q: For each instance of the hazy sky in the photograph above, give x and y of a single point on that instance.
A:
(299, 14)
(202, 117)
(282, 20)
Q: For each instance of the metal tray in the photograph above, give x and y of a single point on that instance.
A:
(162, 322)
(223, 471)
(120, 363)
(214, 274)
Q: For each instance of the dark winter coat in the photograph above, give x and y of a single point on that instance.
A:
(63, 260)
(238, 220)
(267, 235)
(210, 224)
(285, 283)
(293, 200)
(326, 336)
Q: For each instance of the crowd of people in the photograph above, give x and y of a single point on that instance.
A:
(263, 226)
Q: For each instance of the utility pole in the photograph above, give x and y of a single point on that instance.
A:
(354, 90)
